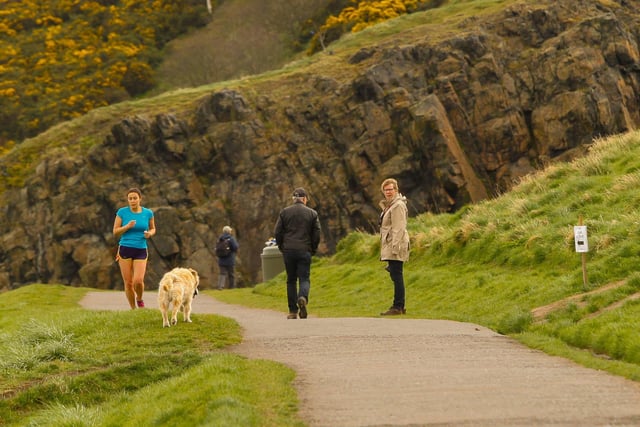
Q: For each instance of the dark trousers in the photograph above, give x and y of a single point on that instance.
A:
(298, 267)
(395, 271)
(226, 272)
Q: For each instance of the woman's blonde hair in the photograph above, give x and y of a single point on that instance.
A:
(387, 182)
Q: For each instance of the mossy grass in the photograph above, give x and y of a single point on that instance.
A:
(62, 365)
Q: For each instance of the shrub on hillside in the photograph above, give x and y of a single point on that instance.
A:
(365, 14)
(60, 59)
(138, 78)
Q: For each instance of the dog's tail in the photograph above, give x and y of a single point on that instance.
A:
(167, 282)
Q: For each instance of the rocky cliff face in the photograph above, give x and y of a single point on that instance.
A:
(455, 119)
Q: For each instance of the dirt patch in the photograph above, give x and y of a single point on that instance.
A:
(541, 312)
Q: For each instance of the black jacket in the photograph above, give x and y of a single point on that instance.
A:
(298, 228)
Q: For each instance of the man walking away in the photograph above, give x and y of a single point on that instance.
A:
(226, 249)
(297, 234)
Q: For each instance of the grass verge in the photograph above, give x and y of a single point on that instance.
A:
(62, 365)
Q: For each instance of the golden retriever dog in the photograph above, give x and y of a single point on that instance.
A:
(177, 287)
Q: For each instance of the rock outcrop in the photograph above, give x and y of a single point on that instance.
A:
(455, 119)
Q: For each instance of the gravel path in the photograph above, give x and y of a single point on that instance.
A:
(410, 372)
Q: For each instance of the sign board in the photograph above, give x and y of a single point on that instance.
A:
(580, 236)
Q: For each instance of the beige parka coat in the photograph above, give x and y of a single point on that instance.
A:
(394, 238)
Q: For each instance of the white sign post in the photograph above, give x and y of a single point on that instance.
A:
(582, 247)
(580, 236)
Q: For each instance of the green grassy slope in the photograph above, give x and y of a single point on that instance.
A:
(64, 366)
(496, 262)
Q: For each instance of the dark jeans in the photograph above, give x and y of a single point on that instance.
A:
(395, 271)
(298, 267)
(227, 272)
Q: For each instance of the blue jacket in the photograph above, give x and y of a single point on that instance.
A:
(229, 260)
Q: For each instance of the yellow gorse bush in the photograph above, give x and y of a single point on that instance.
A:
(368, 13)
(60, 59)
(365, 14)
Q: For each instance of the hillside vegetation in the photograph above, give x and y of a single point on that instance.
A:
(59, 60)
(243, 38)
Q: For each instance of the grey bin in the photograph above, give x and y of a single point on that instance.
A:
(272, 262)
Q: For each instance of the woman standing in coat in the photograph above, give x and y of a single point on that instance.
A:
(394, 241)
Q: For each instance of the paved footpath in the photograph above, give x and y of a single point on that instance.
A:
(407, 372)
